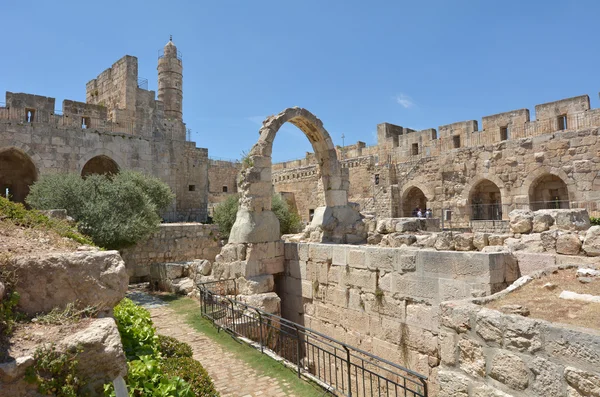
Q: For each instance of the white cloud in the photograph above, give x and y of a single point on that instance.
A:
(404, 100)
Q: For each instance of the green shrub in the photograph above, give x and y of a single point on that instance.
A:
(8, 315)
(54, 372)
(146, 377)
(171, 347)
(193, 373)
(19, 215)
(224, 215)
(116, 211)
(594, 221)
(137, 332)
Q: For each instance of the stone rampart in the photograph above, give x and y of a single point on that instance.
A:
(173, 242)
(484, 352)
(385, 300)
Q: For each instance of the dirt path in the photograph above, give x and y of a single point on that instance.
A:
(232, 376)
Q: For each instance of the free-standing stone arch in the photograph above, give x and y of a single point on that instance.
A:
(17, 173)
(412, 199)
(102, 165)
(255, 222)
(485, 201)
(548, 191)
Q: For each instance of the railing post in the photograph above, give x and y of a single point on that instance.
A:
(349, 370)
(297, 349)
(260, 331)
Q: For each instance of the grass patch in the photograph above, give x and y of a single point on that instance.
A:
(190, 310)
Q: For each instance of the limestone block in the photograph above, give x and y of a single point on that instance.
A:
(521, 221)
(448, 342)
(498, 239)
(522, 334)
(509, 369)
(340, 255)
(532, 262)
(458, 316)
(480, 240)
(464, 242)
(374, 238)
(573, 346)
(407, 225)
(444, 242)
(254, 227)
(453, 289)
(471, 357)
(591, 244)
(489, 325)
(380, 258)
(255, 285)
(268, 302)
(549, 239)
(307, 289)
(409, 286)
(426, 240)
(182, 286)
(406, 261)
(291, 251)
(548, 376)
(366, 280)
(568, 244)
(422, 315)
(453, 384)
(572, 219)
(95, 278)
(542, 220)
(586, 383)
(399, 239)
(487, 391)
(320, 252)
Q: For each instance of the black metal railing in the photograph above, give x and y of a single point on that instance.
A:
(342, 369)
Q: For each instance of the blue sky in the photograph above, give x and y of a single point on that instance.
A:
(354, 64)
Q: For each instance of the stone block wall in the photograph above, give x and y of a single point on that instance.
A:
(385, 300)
(487, 353)
(173, 242)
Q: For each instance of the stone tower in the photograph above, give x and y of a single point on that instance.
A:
(170, 79)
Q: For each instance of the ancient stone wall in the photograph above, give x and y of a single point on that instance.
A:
(173, 242)
(222, 181)
(484, 352)
(385, 300)
(121, 126)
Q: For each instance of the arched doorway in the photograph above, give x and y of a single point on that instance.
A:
(102, 165)
(486, 201)
(17, 173)
(255, 222)
(548, 191)
(413, 198)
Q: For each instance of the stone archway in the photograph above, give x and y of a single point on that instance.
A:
(255, 222)
(101, 164)
(485, 201)
(548, 191)
(17, 173)
(412, 199)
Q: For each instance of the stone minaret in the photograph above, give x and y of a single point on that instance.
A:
(170, 79)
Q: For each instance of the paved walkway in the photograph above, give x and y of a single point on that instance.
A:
(232, 376)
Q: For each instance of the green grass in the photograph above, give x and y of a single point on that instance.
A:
(190, 309)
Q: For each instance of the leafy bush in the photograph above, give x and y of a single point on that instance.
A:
(137, 332)
(594, 221)
(224, 215)
(193, 373)
(19, 215)
(116, 211)
(171, 347)
(8, 315)
(146, 377)
(54, 372)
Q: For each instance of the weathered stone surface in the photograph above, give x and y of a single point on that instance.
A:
(591, 244)
(509, 369)
(453, 384)
(586, 383)
(532, 262)
(444, 242)
(490, 326)
(542, 221)
(254, 227)
(548, 376)
(91, 278)
(269, 302)
(549, 239)
(464, 242)
(102, 358)
(521, 221)
(255, 285)
(487, 391)
(568, 244)
(399, 239)
(471, 357)
(15, 368)
(183, 285)
(481, 240)
(572, 219)
(498, 239)
(448, 344)
(515, 309)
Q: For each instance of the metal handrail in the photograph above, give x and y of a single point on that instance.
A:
(336, 365)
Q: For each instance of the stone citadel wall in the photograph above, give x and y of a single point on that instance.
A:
(121, 126)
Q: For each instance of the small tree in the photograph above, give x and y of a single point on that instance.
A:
(115, 211)
(224, 215)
